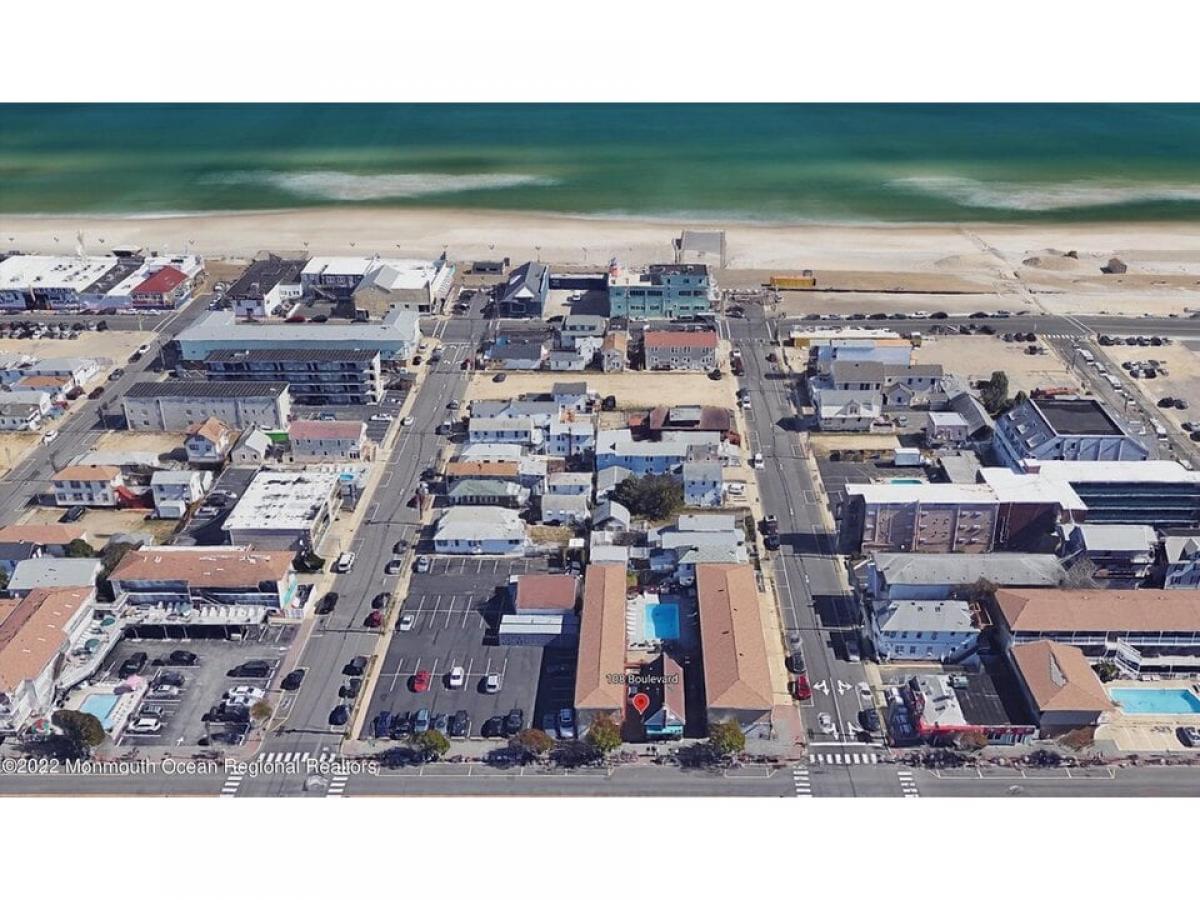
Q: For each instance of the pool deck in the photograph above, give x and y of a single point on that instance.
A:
(1147, 733)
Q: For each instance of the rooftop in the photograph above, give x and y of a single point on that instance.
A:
(1165, 471)
(1102, 537)
(46, 273)
(478, 523)
(1024, 569)
(213, 567)
(262, 275)
(1059, 677)
(1083, 416)
(42, 534)
(219, 327)
(316, 430)
(927, 615)
(1130, 611)
(283, 500)
(686, 339)
(33, 631)
(539, 591)
(165, 279)
(291, 354)
(731, 632)
(86, 473)
(54, 572)
(602, 640)
(176, 388)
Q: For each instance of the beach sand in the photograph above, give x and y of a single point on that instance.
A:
(1009, 262)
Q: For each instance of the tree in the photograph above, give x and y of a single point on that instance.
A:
(604, 734)
(261, 711)
(431, 743)
(80, 549)
(972, 740)
(533, 741)
(652, 496)
(82, 730)
(1106, 671)
(994, 393)
(980, 592)
(726, 738)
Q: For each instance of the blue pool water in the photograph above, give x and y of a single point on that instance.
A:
(907, 481)
(1156, 702)
(100, 706)
(662, 622)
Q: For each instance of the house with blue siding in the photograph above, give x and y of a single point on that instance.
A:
(661, 292)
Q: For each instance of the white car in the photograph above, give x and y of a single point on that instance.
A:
(491, 684)
(406, 421)
(422, 347)
(244, 694)
(864, 690)
(424, 563)
(458, 677)
(757, 462)
(381, 417)
(406, 622)
(49, 436)
(735, 489)
(826, 723)
(145, 724)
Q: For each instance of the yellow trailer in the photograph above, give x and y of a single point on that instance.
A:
(793, 282)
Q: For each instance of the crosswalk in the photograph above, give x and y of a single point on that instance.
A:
(800, 779)
(908, 784)
(231, 785)
(295, 756)
(843, 759)
(337, 786)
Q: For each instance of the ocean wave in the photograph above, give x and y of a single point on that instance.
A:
(346, 186)
(1031, 197)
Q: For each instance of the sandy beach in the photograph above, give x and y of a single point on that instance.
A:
(1163, 259)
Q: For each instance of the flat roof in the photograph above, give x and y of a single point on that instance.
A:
(221, 327)
(1107, 537)
(262, 275)
(731, 635)
(1025, 569)
(21, 272)
(175, 388)
(925, 492)
(541, 591)
(282, 501)
(54, 572)
(1083, 416)
(601, 661)
(291, 354)
(478, 523)
(926, 615)
(690, 339)
(1166, 471)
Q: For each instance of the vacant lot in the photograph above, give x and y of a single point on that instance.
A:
(633, 390)
(102, 524)
(140, 441)
(1183, 378)
(113, 345)
(976, 356)
(13, 447)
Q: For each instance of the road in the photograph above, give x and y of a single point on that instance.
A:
(1065, 326)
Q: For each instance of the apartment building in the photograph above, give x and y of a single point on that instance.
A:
(669, 291)
(205, 576)
(87, 486)
(314, 375)
(265, 288)
(681, 351)
(177, 405)
(1059, 428)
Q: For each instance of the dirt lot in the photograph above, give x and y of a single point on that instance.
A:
(13, 447)
(102, 524)
(977, 356)
(1183, 365)
(113, 345)
(143, 441)
(633, 390)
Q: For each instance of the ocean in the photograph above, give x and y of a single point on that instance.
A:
(759, 162)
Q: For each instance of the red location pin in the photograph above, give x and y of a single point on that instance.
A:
(641, 703)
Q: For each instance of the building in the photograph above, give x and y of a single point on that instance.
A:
(37, 632)
(1182, 556)
(204, 576)
(87, 486)
(394, 337)
(13, 552)
(1060, 686)
(611, 516)
(839, 410)
(578, 328)
(930, 630)
(703, 483)
(319, 441)
(480, 531)
(471, 470)
(614, 352)
(570, 437)
(737, 683)
(54, 282)
(209, 442)
(1120, 555)
(53, 573)
(617, 447)
(1139, 631)
(681, 351)
(562, 483)
(661, 292)
(525, 292)
(539, 412)
(1156, 492)
(416, 286)
(543, 595)
(77, 370)
(565, 509)
(265, 288)
(608, 478)
(979, 423)
(253, 448)
(931, 710)
(664, 419)
(49, 539)
(518, 355)
(1017, 514)
(600, 688)
(165, 289)
(284, 510)
(662, 683)
(487, 492)
(892, 577)
(177, 405)
(176, 490)
(315, 375)
(946, 428)
(902, 385)
(20, 416)
(516, 430)
(1057, 428)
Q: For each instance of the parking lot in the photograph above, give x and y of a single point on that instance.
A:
(453, 610)
(204, 683)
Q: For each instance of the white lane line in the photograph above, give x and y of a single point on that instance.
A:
(908, 784)
(801, 782)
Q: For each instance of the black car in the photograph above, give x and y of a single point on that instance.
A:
(74, 514)
(182, 658)
(293, 680)
(771, 541)
(169, 678)
(400, 546)
(350, 689)
(514, 722)
(401, 724)
(340, 715)
(355, 667)
(383, 724)
(460, 724)
(869, 719)
(133, 665)
(251, 668)
(714, 375)
(380, 600)
(795, 663)
(494, 727)
(227, 712)
(328, 604)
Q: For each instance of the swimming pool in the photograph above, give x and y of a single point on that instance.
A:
(662, 622)
(906, 481)
(1156, 701)
(100, 706)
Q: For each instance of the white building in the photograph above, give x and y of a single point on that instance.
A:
(20, 416)
(209, 442)
(178, 405)
(517, 430)
(1183, 562)
(175, 490)
(266, 287)
(315, 441)
(946, 428)
(570, 438)
(703, 483)
(87, 486)
(564, 483)
(284, 510)
(565, 509)
(413, 285)
(480, 531)
(935, 630)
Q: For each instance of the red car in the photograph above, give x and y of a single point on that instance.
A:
(375, 619)
(421, 681)
(800, 688)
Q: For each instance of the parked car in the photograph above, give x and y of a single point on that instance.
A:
(566, 724)
(801, 689)
(421, 681)
(493, 727)
(457, 677)
(293, 680)
(393, 567)
(401, 724)
(74, 514)
(382, 727)
(514, 722)
(460, 724)
(328, 603)
(406, 622)
(491, 684)
(795, 662)
(374, 619)
(133, 665)
(252, 668)
(380, 600)
(340, 715)
(182, 658)
(424, 563)
(420, 722)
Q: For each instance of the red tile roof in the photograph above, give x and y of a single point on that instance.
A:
(731, 634)
(546, 592)
(601, 665)
(681, 339)
(165, 279)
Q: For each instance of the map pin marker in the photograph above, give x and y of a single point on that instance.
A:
(641, 702)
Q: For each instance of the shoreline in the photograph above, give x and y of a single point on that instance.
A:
(468, 234)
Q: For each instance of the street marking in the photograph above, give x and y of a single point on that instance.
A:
(337, 786)
(232, 783)
(908, 784)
